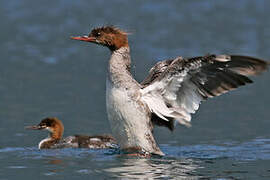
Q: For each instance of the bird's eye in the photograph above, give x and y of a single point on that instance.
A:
(98, 34)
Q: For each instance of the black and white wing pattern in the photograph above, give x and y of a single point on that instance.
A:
(174, 88)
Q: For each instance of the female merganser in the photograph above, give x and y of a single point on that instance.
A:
(55, 140)
(172, 91)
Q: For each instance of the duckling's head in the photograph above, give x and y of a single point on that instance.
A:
(52, 124)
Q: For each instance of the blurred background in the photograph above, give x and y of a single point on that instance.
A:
(44, 73)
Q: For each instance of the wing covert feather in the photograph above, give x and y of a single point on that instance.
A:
(175, 88)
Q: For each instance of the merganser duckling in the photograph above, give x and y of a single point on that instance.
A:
(55, 140)
(171, 92)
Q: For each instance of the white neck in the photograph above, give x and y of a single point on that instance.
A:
(43, 141)
(119, 70)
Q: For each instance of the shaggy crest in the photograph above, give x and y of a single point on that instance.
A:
(108, 30)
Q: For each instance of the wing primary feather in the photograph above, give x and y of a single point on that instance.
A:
(174, 88)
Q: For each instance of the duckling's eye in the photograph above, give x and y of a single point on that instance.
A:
(42, 126)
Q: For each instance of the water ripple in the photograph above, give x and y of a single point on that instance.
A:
(257, 149)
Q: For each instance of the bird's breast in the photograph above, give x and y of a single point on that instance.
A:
(129, 119)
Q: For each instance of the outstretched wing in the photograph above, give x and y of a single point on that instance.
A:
(174, 88)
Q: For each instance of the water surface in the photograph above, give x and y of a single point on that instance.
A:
(44, 73)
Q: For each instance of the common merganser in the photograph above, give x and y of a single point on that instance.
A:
(55, 140)
(172, 91)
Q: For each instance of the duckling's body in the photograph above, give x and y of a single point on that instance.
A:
(55, 140)
(79, 141)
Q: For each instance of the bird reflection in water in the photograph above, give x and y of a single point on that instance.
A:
(59, 166)
(141, 168)
(56, 161)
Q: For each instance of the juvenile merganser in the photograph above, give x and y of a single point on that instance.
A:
(55, 140)
(172, 91)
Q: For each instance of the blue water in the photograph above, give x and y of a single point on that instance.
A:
(194, 161)
(44, 73)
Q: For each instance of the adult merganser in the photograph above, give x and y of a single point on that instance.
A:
(172, 91)
(55, 140)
